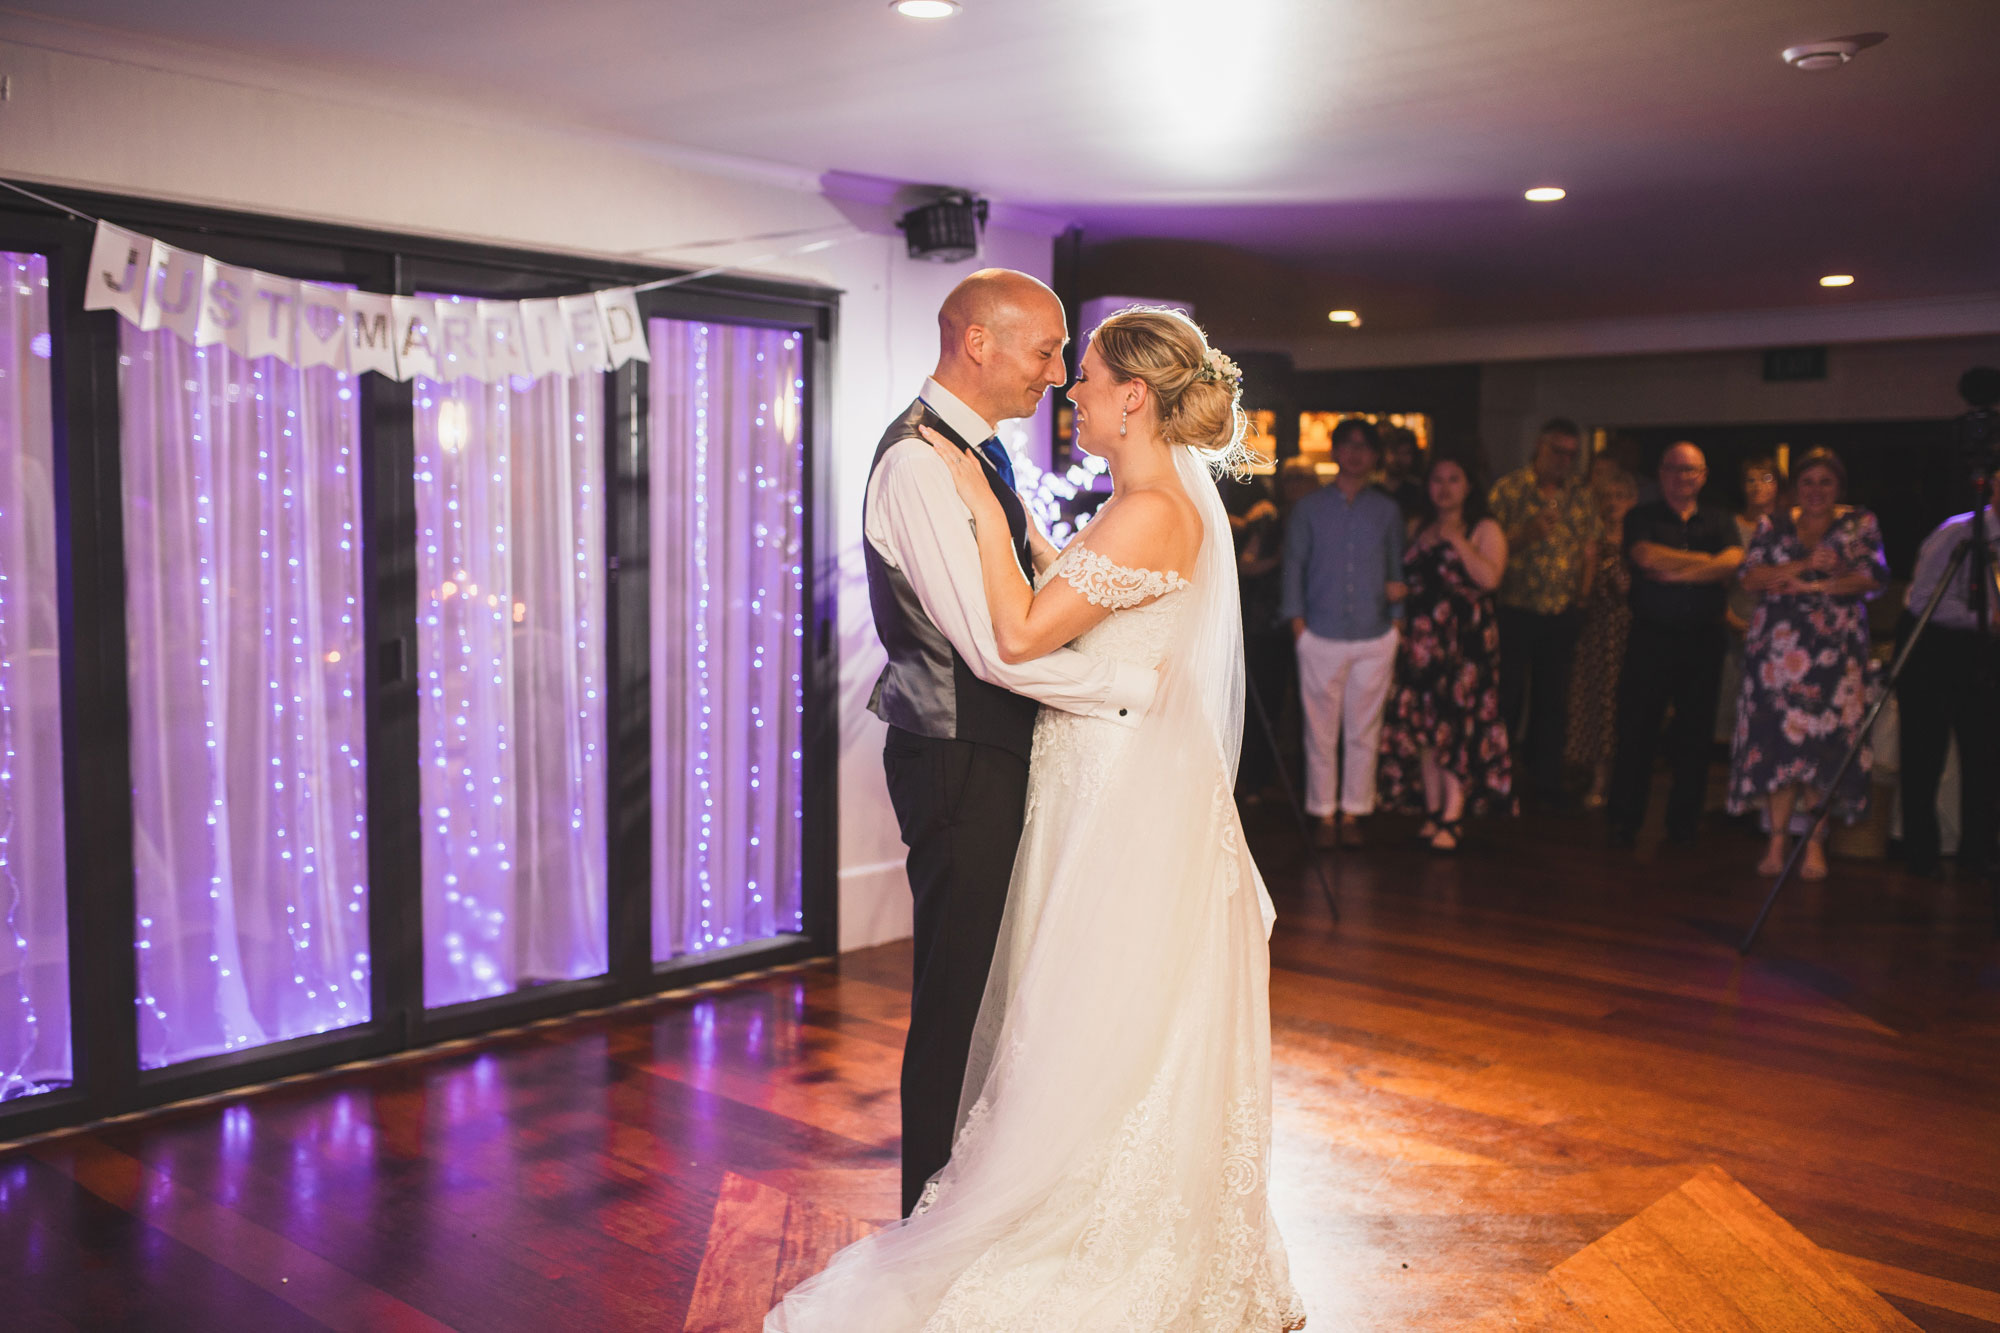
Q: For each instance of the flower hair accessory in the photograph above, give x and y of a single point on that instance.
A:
(1216, 367)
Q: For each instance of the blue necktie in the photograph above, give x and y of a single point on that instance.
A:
(997, 456)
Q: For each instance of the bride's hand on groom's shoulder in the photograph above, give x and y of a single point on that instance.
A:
(968, 474)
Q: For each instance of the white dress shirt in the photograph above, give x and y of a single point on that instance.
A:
(1955, 610)
(916, 521)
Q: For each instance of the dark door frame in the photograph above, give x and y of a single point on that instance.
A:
(96, 723)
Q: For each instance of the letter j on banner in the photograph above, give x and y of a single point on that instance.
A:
(121, 266)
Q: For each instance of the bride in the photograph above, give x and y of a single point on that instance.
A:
(1114, 1142)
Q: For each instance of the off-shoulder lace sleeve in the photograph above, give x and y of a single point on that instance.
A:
(1104, 582)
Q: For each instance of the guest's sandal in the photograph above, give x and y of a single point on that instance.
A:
(1449, 828)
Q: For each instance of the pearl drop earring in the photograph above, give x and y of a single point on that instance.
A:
(1124, 417)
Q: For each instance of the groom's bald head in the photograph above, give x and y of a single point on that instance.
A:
(1000, 339)
(995, 299)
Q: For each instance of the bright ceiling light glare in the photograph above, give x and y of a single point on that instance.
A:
(1837, 280)
(925, 9)
(1545, 194)
(1343, 316)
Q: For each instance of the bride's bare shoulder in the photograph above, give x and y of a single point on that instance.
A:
(1152, 527)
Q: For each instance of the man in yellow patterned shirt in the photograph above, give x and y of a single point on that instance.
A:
(1552, 543)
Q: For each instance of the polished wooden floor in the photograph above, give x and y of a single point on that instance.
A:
(1534, 1087)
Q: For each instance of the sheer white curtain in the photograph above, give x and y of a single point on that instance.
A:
(726, 470)
(510, 651)
(246, 670)
(34, 945)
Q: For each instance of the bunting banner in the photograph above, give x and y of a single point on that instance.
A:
(154, 285)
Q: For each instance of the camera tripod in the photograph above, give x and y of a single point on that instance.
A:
(1291, 796)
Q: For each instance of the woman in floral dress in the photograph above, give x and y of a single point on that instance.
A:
(1444, 742)
(1607, 623)
(1805, 659)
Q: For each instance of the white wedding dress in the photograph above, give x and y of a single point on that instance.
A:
(1114, 1144)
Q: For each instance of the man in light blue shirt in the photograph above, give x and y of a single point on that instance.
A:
(1343, 584)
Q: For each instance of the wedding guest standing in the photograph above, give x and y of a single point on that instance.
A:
(1444, 743)
(1342, 581)
(1682, 554)
(1762, 484)
(1947, 690)
(1805, 660)
(1550, 523)
(1402, 469)
(1600, 648)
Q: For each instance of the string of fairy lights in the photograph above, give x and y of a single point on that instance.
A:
(704, 740)
(746, 876)
(794, 615)
(484, 772)
(457, 636)
(270, 776)
(28, 278)
(308, 871)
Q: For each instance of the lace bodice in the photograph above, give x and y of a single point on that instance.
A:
(1144, 609)
(1072, 753)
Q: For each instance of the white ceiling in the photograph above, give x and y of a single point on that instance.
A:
(1369, 153)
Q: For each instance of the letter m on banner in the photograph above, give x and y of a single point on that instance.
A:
(371, 341)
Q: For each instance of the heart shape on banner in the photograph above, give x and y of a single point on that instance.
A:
(325, 321)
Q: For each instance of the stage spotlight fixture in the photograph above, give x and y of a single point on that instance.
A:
(926, 9)
(946, 230)
(1347, 317)
(1545, 194)
(1837, 280)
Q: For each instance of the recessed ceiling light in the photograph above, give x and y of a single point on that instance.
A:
(1545, 194)
(1815, 56)
(1837, 280)
(1343, 316)
(925, 9)
(1831, 53)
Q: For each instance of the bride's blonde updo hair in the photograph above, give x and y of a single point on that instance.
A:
(1197, 391)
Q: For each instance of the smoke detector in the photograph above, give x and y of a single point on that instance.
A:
(1831, 53)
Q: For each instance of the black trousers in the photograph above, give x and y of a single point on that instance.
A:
(1946, 690)
(1536, 654)
(1679, 665)
(960, 807)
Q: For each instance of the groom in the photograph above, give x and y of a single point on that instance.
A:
(961, 721)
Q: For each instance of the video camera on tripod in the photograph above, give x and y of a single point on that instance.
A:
(1976, 434)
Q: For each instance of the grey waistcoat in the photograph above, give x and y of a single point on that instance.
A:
(927, 688)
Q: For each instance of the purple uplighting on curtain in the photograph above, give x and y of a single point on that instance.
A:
(245, 670)
(727, 467)
(511, 661)
(34, 944)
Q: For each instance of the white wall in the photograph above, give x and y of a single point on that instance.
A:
(101, 111)
(1881, 381)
